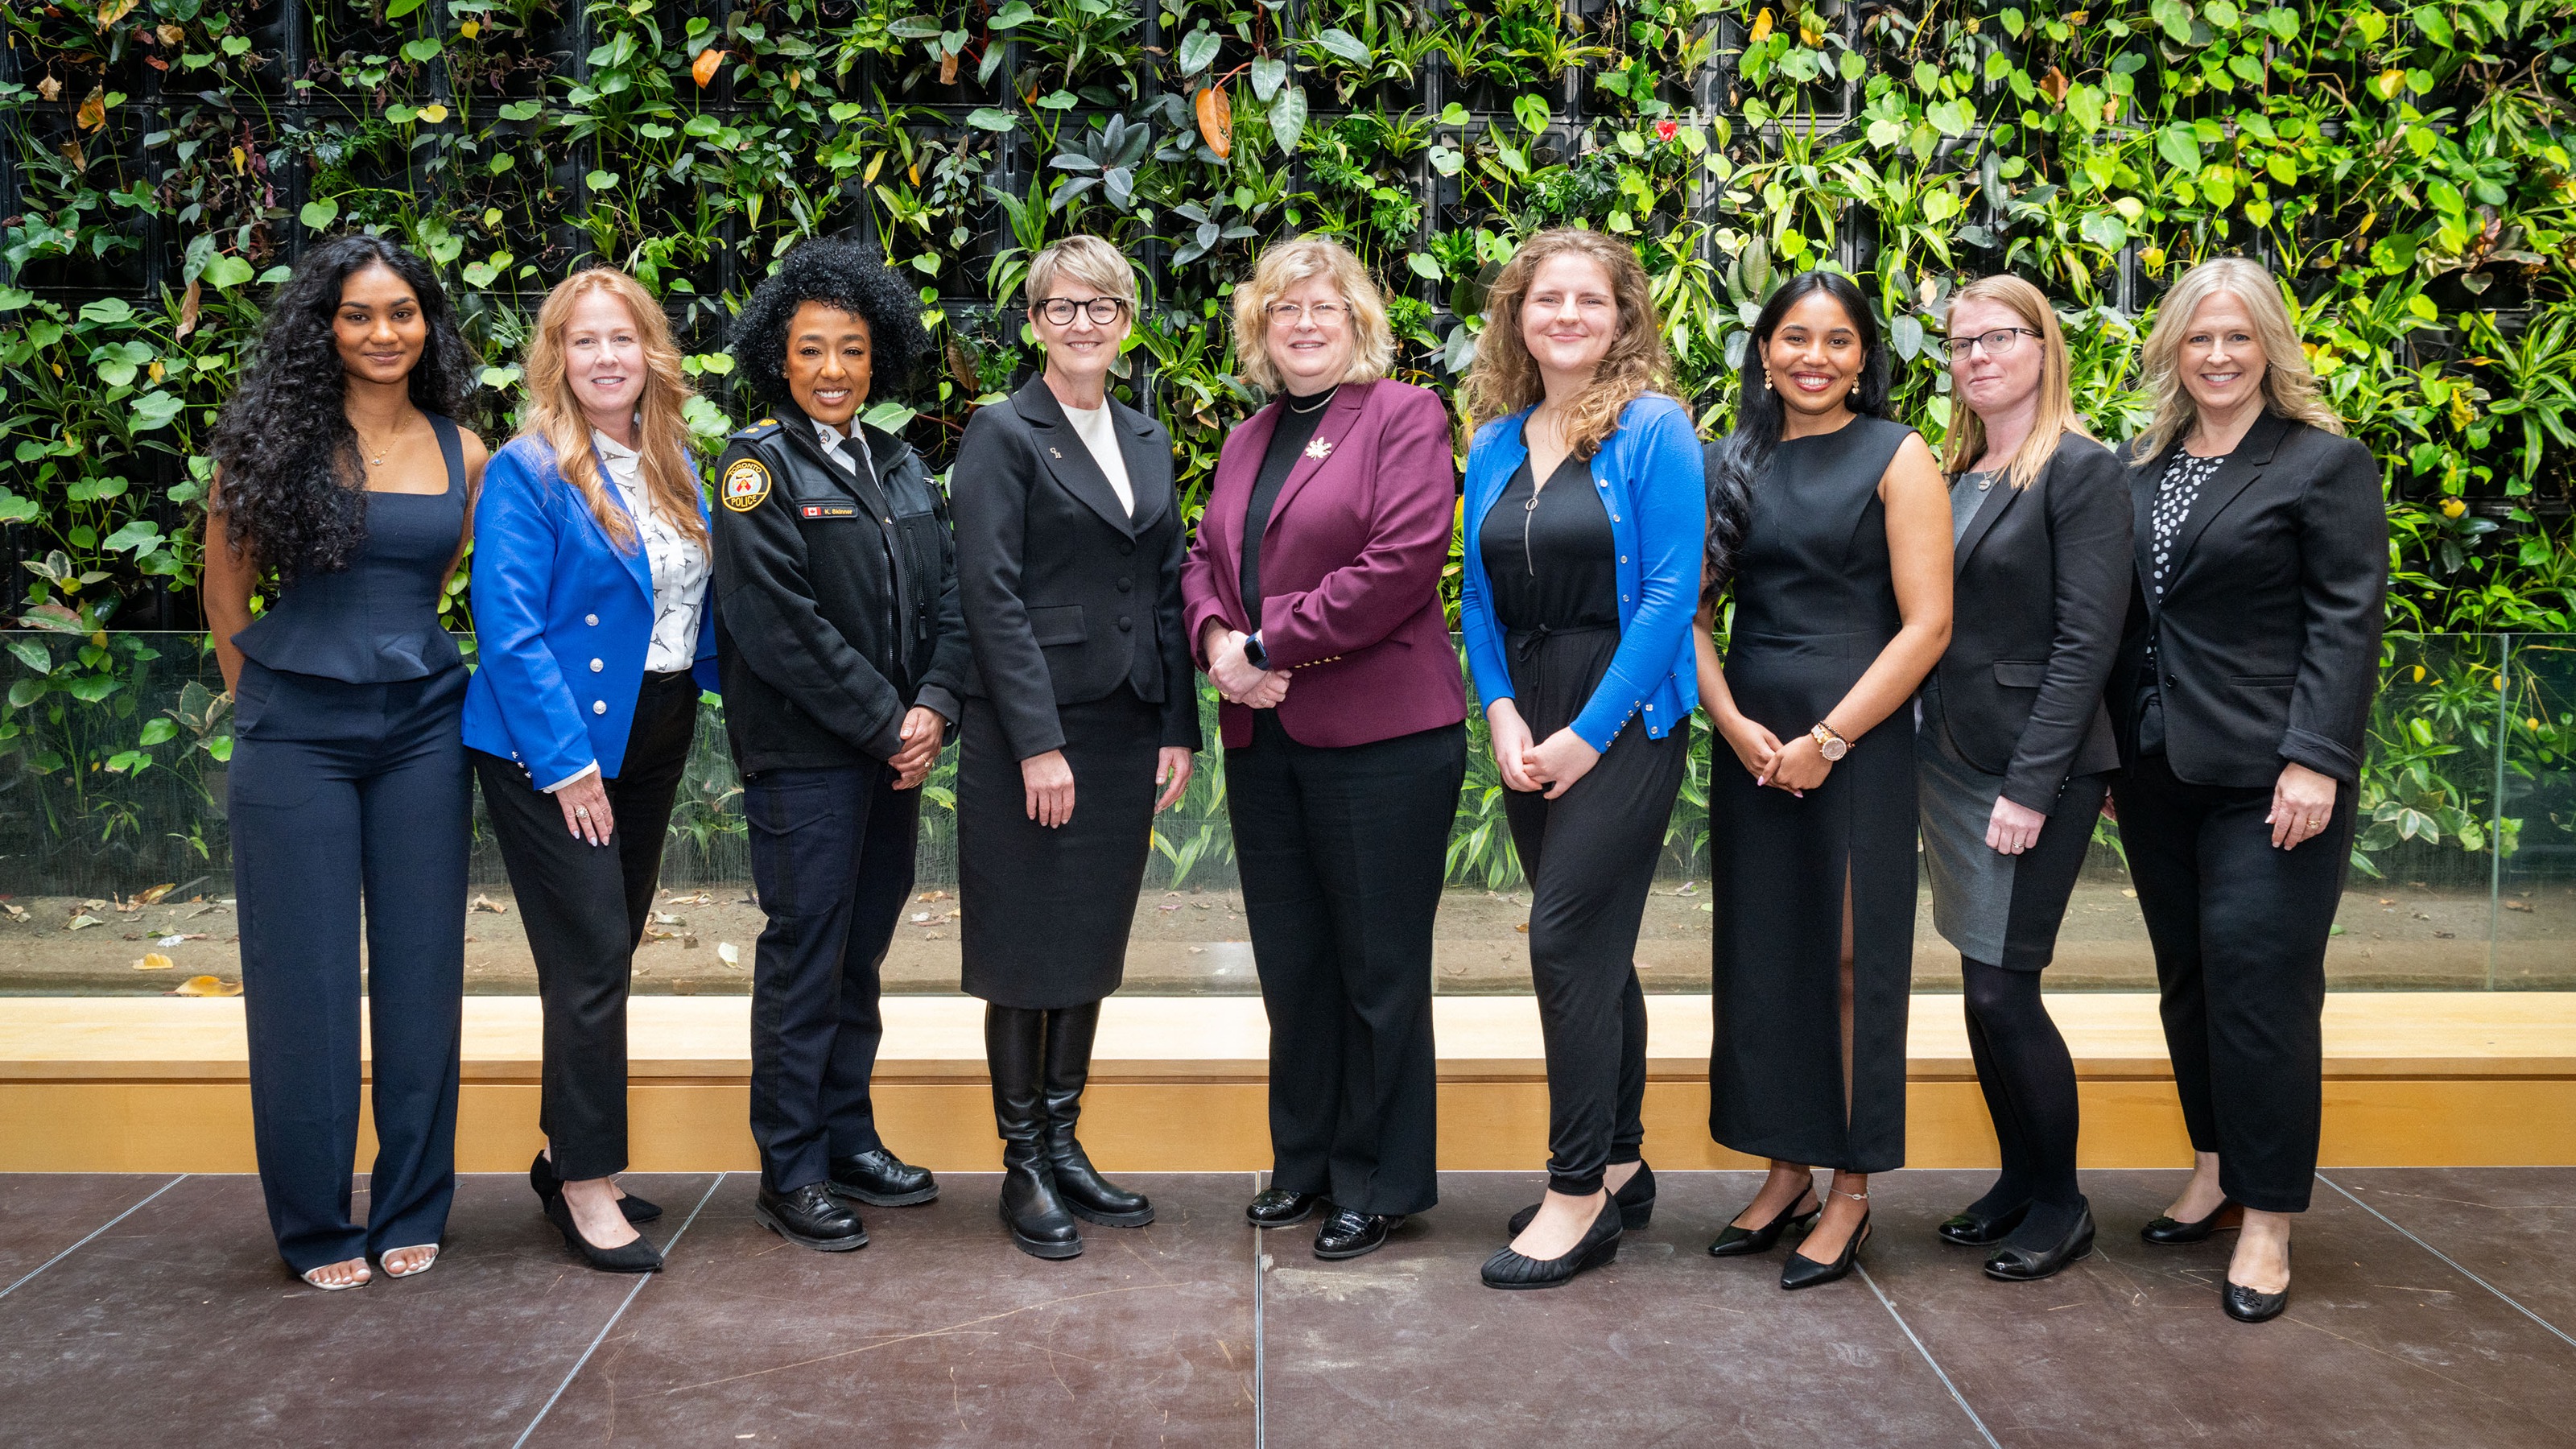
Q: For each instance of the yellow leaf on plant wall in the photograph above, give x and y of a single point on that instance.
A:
(1216, 120)
(112, 11)
(703, 69)
(93, 112)
(1761, 29)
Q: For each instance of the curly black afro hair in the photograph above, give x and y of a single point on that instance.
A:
(840, 274)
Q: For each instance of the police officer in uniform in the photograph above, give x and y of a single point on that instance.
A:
(841, 648)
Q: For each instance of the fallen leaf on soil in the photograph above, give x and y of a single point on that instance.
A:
(664, 918)
(486, 903)
(920, 916)
(208, 986)
(2517, 905)
(689, 941)
(1523, 928)
(16, 913)
(154, 961)
(728, 954)
(1195, 951)
(92, 905)
(928, 896)
(2133, 895)
(154, 895)
(83, 919)
(652, 935)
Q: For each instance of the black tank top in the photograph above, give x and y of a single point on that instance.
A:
(375, 621)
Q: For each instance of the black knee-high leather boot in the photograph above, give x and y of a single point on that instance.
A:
(1015, 1049)
(1069, 1031)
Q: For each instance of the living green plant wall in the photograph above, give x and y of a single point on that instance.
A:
(2405, 170)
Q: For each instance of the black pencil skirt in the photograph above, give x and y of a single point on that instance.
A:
(1046, 912)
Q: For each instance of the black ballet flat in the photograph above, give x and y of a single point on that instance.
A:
(638, 1256)
(2167, 1232)
(1600, 1244)
(1735, 1242)
(541, 1176)
(1802, 1271)
(2010, 1264)
(1635, 1197)
(2247, 1306)
(1972, 1229)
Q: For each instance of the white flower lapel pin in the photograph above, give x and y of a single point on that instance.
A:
(1319, 450)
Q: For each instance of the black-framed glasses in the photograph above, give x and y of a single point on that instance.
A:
(1998, 343)
(1288, 314)
(1103, 310)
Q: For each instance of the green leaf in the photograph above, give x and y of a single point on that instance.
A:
(600, 180)
(1347, 46)
(155, 410)
(107, 311)
(227, 272)
(1010, 16)
(1425, 267)
(2179, 144)
(1267, 75)
(34, 654)
(992, 118)
(25, 692)
(2436, 26)
(2175, 17)
(397, 9)
(318, 215)
(2104, 229)
(12, 298)
(91, 688)
(521, 111)
(159, 730)
(1198, 51)
(423, 50)
(142, 534)
(1288, 118)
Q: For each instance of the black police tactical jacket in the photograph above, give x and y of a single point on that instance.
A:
(836, 598)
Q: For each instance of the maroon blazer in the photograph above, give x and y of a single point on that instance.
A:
(1350, 568)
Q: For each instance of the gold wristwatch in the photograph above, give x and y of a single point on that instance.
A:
(1831, 745)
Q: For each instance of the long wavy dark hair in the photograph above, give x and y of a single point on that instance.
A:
(839, 274)
(294, 486)
(1759, 415)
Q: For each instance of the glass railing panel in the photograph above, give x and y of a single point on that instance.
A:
(2535, 902)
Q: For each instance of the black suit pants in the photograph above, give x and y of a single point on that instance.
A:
(1343, 853)
(584, 908)
(2239, 929)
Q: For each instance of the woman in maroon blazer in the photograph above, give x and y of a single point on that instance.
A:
(1312, 599)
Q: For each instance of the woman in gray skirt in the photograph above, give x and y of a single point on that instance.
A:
(2015, 748)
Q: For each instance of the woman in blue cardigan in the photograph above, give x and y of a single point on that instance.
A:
(1585, 519)
(590, 610)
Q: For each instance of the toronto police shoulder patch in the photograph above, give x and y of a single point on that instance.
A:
(746, 484)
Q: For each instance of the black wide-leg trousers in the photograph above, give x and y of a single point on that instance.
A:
(1343, 852)
(584, 907)
(2239, 929)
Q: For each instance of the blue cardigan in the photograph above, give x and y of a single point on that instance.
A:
(563, 619)
(1653, 483)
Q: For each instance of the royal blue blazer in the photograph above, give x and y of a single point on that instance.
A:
(1655, 487)
(562, 620)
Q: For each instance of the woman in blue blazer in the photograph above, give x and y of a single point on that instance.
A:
(1585, 520)
(595, 636)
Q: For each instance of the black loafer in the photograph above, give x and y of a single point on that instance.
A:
(810, 1217)
(1347, 1234)
(1635, 1197)
(2014, 1264)
(881, 1179)
(1280, 1208)
(2172, 1232)
(1973, 1229)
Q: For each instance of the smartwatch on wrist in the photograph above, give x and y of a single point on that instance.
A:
(1253, 653)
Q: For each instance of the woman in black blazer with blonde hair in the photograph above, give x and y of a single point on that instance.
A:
(2015, 749)
(1081, 701)
(2240, 698)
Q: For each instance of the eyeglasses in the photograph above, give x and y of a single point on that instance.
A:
(1103, 310)
(1288, 314)
(1998, 343)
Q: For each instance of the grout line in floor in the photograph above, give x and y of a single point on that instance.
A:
(602, 1336)
(102, 1227)
(2456, 1267)
(1919, 1347)
(1260, 1349)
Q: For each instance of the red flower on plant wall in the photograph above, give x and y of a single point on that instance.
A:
(1666, 130)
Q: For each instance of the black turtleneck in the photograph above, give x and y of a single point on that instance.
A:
(1298, 417)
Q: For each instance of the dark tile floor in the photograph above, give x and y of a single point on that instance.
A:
(150, 1311)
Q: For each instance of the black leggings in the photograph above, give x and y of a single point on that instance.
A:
(2029, 1082)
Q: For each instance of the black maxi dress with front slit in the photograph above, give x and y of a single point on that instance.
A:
(1815, 602)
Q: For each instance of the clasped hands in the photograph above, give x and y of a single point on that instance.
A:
(1552, 765)
(1235, 677)
(1797, 767)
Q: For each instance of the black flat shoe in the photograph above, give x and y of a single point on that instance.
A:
(2172, 1232)
(1635, 1197)
(541, 1176)
(2012, 1264)
(1347, 1234)
(638, 1256)
(1600, 1244)
(810, 1217)
(2247, 1306)
(881, 1179)
(1735, 1242)
(1973, 1229)
(1280, 1208)
(1802, 1271)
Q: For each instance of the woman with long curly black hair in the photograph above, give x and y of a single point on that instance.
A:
(340, 467)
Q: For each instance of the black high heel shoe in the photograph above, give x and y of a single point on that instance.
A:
(1635, 1197)
(2247, 1306)
(1735, 1242)
(1802, 1271)
(2167, 1232)
(541, 1176)
(2010, 1264)
(638, 1256)
(1973, 1229)
(1599, 1245)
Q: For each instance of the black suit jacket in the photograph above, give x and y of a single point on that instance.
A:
(2041, 577)
(2267, 637)
(1067, 598)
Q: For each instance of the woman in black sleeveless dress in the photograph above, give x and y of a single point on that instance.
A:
(1833, 523)
(342, 469)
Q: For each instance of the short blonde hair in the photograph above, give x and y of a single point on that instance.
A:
(2056, 416)
(1088, 260)
(1284, 266)
(2289, 385)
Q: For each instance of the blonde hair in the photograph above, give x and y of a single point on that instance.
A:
(1284, 266)
(2056, 416)
(1504, 377)
(2289, 388)
(554, 416)
(1085, 259)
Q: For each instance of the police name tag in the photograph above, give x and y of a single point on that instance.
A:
(746, 484)
(828, 510)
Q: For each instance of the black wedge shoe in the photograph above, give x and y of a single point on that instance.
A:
(541, 1176)
(2172, 1232)
(2247, 1306)
(1802, 1271)
(1735, 1242)
(1600, 1244)
(2013, 1264)
(1973, 1229)
(638, 1256)
(1635, 1197)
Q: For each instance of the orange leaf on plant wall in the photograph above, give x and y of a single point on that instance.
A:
(2054, 86)
(1761, 29)
(1216, 120)
(948, 68)
(93, 112)
(703, 70)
